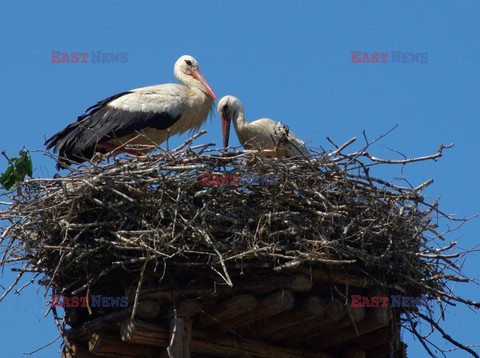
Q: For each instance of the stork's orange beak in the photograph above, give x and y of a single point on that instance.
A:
(226, 130)
(198, 76)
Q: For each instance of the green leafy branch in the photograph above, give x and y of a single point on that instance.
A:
(19, 168)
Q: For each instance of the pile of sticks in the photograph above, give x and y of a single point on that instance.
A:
(135, 217)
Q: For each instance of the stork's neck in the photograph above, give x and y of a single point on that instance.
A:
(189, 81)
(239, 117)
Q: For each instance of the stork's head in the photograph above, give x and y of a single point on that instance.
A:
(228, 107)
(188, 72)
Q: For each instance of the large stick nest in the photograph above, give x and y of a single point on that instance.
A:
(80, 229)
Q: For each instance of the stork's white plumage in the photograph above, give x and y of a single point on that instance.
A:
(141, 118)
(265, 134)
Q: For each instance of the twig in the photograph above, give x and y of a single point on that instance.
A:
(446, 336)
(139, 286)
(43, 347)
(125, 213)
(342, 147)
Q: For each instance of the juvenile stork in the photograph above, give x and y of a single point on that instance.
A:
(141, 118)
(265, 134)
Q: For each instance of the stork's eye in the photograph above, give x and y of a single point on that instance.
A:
(188, 62)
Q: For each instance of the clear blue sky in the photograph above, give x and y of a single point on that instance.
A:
(290, 61)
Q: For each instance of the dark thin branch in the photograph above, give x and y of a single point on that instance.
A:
(447, 336)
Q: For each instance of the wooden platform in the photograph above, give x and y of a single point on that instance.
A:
(291, 315)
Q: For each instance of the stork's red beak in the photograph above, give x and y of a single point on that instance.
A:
(198, 76)
(226, 130)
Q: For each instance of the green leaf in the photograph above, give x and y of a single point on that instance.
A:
(10, 182)
(17, 171)
(30, 167)
(23, 165)
(6, 176)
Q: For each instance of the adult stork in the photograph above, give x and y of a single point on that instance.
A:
(272, 137)
(141, 118)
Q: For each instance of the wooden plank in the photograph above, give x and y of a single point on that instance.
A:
(301, 332)
(78, 351)
(354, 353)
(214, 344)
(369, 324)
(354, 315)
(381, 351)
(228, 310)
(338, 278)
(276, 303)
(141, 332)
(373, 339)
(312, 308)
(110, 346)
(297, 283)
(186, 308)
(222, 345)
(145, 310)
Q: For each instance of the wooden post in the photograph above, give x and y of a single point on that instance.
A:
(180, 337)
(181, 328)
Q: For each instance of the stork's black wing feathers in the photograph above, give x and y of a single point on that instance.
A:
(54, 140)
(100, 104)
(78, 141)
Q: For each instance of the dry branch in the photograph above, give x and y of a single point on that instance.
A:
(149, 224)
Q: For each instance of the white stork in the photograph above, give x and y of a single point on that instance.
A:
(265, 134)
(143, 117)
